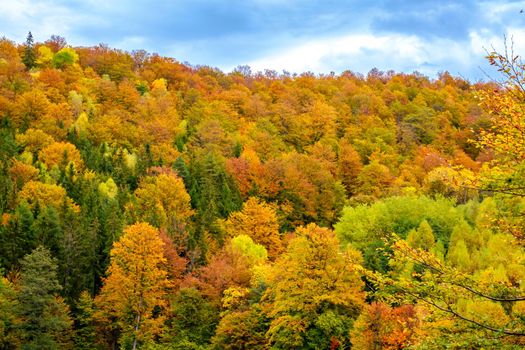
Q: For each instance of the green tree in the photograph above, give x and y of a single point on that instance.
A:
(44, 317)
(193, 319)
(48, 231)
(65, 57)
(17, 238)
(215, 194)
(8, 336)
(85, 332)
(29, 58)
(422, 238)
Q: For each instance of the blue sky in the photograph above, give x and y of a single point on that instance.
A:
(293, 35)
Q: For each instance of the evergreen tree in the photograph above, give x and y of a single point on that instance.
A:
(193, 319)
(49, 232)
(79, 258)
(17, 237)
(8, 337)
(29, 58)
(183, 171)
(85, 334)
(44, 319)
(215, 194)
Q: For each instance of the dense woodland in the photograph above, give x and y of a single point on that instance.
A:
(150, 204)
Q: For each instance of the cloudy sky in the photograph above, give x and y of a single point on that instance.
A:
(294, 35)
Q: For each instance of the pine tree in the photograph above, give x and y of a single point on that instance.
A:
(45, 321)
(48, 231)
(85, 334)
(17, 238)
(183, 171)
(29, 58)
(8, 336)
(215, 194)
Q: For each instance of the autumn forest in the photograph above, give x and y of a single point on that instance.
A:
(150, 204)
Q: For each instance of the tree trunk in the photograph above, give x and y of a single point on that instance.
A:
(137, 325)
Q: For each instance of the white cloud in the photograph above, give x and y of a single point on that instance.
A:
(362, 52)
(497, 11)
(42, 18)
(485, 39)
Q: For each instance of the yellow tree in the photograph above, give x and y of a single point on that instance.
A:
(46, 195)
(60, 154)
(315, 292)
(163, 201)
(506, 174)
(258, 221)
(349, 166)
(135, 287)
(33, 140)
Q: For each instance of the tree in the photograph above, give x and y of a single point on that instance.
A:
(375, 179)
(45, 56)
(422, 238)
(85, 334)
(64, 57)
(162, 201)
(241, 330)
(349, 166)
(192, 318)
(214, 194)
(314, 292)
(229, 267)
(48, 232)
(44, 317)
(17, 238)
(29, 52)
(506, 174)
(476, 302)
(8, 337)
(258, 221)
(41, 194)
(56, 42)
(380, 327)
(369, 227)
(61, 154)
(134, 293)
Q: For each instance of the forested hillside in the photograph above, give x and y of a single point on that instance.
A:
(149, 204)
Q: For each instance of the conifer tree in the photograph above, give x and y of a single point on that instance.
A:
(48, 231)
(17, 237)
(29, 58)
(215, 194)
(8, 336)
(44, 317)
(85, 334)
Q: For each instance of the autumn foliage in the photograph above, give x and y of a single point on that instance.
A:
(151, 204)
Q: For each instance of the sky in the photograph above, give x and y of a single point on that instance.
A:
(428, 36)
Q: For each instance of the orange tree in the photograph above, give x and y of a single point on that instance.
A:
(135, 288)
